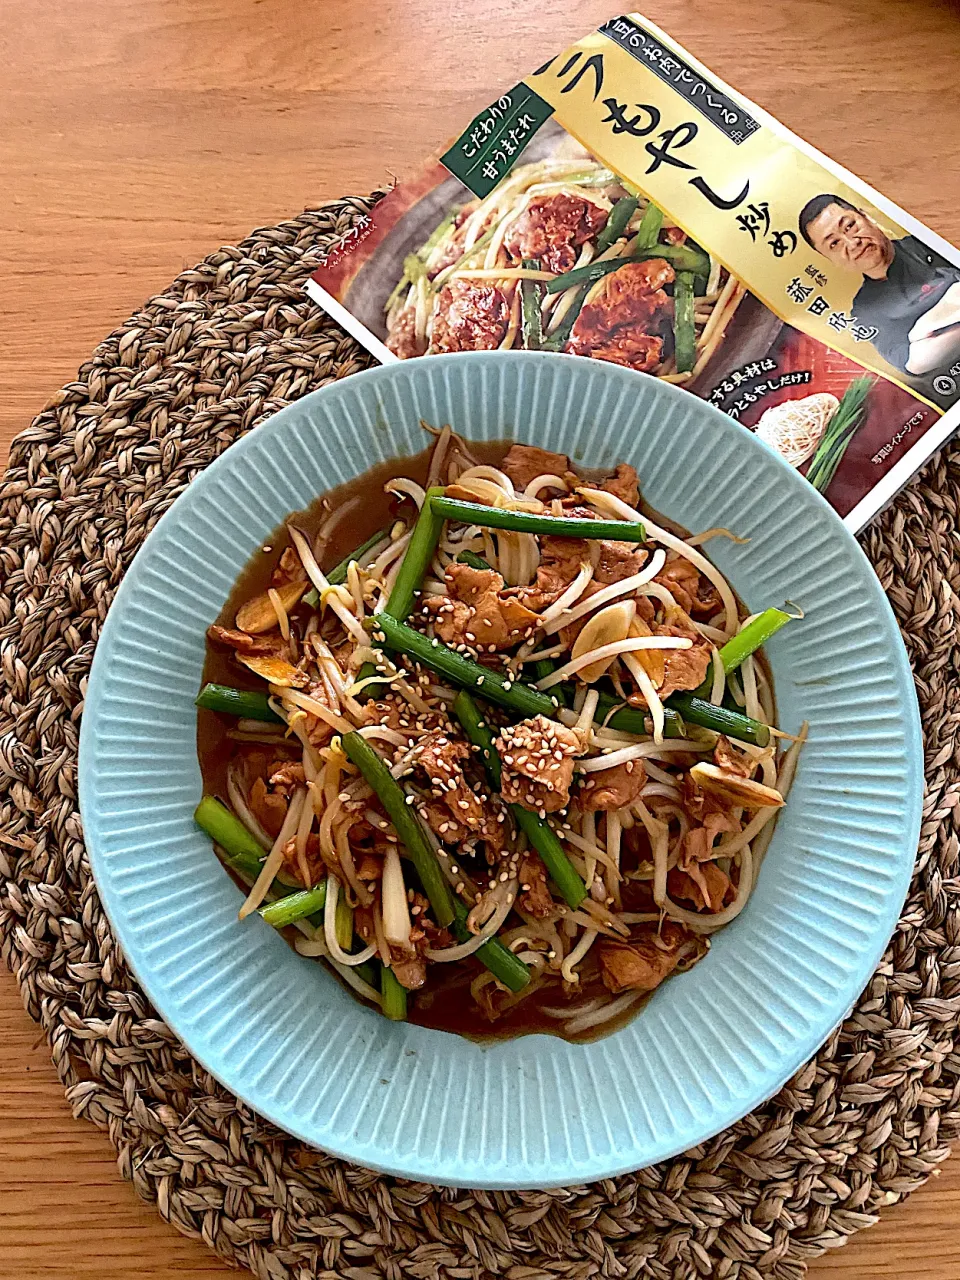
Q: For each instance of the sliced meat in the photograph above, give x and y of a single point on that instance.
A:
(448, 825)
(244, 643)
(732, 759)
(286, 775)
(402, 339)
(478, 611)
(699, 841)
(646, 609)
(426, 932)
(363, 924)
(443, 824)
(268, 807)
(618, 560)
(535, 898)
(637, 895)
(391, 713)
(642, 963)
(470, 316)
(264, 655)
(683, 668)
(441, 759)
(369, 867)
(457, 814)
(560, 561)
(394, 712)
(623, 484)
(706, 809)
(552, 228)
(452, 252)
(410, 971)
(494, 832)
(672, 669)
(317, 867)
(610, 789)
(537, 757)
(624, 320)
(709, 890)
(639, 351)
(524, 462)
(693, 592)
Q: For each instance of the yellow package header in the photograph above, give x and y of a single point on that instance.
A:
(668, 126)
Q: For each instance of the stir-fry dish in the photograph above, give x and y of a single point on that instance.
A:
(509, 763)
(563, 257)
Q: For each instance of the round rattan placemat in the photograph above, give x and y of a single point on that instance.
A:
(860, 1126)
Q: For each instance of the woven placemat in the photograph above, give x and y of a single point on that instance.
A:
(228, 344)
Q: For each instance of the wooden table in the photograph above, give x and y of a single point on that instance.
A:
(140, 134)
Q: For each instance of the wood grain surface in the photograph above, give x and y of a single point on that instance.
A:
(137, 135)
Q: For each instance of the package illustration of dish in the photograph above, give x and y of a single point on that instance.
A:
(624, 204)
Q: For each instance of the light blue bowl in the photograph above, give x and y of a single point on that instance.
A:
(533, 1112)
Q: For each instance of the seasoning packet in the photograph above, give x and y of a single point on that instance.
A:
(623, 203)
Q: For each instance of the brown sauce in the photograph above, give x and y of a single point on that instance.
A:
(445, 1004)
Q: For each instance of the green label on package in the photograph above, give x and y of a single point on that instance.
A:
(490, 147)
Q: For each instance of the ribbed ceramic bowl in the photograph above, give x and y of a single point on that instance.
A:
(710, 1045)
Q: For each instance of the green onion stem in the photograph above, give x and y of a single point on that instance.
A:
(417, 557)
(752, 636)
(634, 719)
(343, 922)
(527, 522)
(416, 561)
(393, 996)
(697, 710)
(486, 683)
(246, 704)
(449, 912)
(561, 333)
(405, 822)
(682, 257)
(616, 223)
(244, 855)
(562, 692)
(515, 696)
(225, 829)
(295, 906)
(473, 560)
(684, 332)
(648, 232)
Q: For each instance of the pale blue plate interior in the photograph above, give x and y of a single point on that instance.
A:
(279, 1032)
